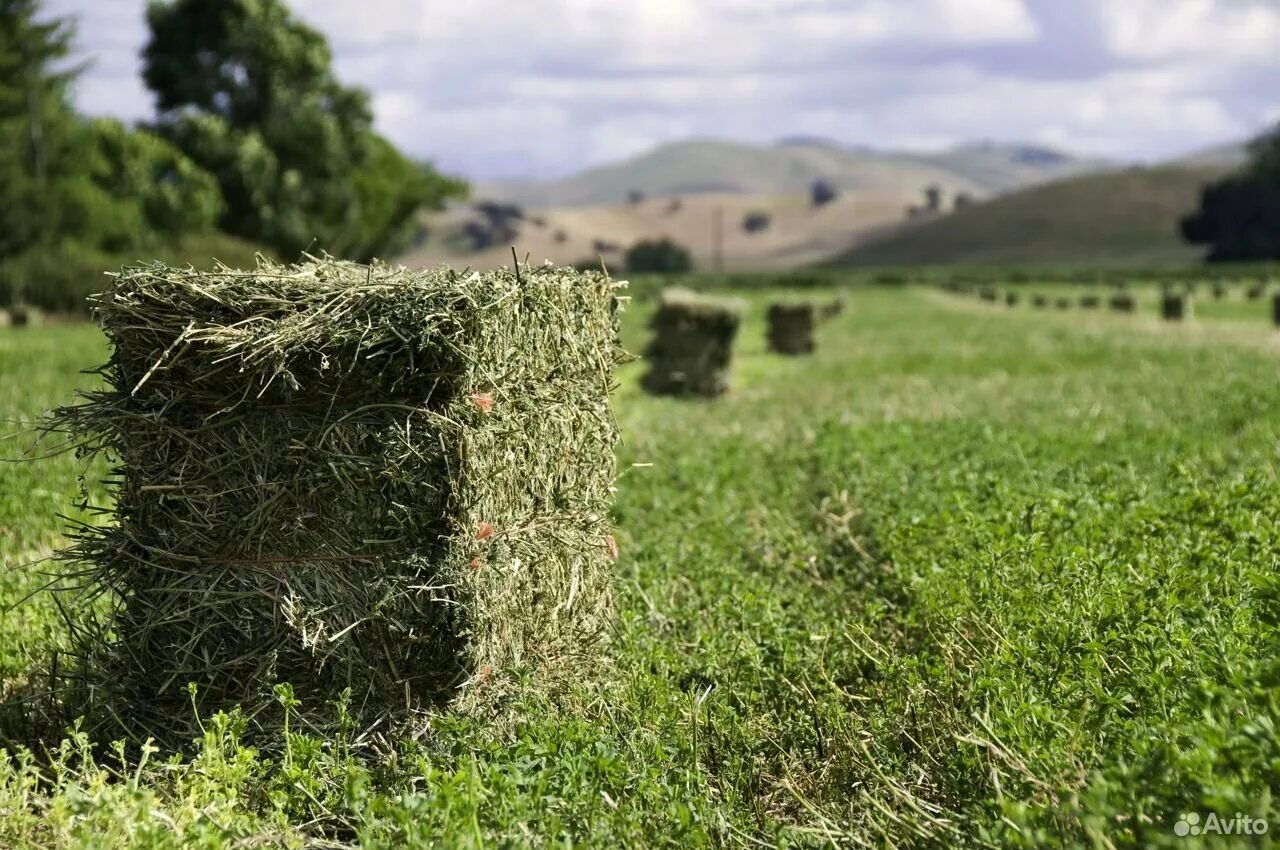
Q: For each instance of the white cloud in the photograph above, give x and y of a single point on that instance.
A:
(1232, 30)
(492, 87)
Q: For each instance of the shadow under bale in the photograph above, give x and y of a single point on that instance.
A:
(692, 348)
(791, 328)
(347, 477)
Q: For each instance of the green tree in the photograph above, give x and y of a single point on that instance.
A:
(1239, 216)
(39, 133)
(248, 92)
(660, 256)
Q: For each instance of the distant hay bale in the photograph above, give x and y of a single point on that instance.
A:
(1063, 303)
(834, 307)
(1219, 290)
(692, 348)
(25, 316)
(1256, 291)
(1275, 309)
(1090, 302)
(348, 476)
(988, 293)
(1122, 302)
(1011, 299)
(1175, 307)
(1039, 301)
(791, 328)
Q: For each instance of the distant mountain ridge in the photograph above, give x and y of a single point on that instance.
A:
(790, 166)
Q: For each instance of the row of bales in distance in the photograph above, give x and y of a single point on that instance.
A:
(691, 352)
(1176, 302)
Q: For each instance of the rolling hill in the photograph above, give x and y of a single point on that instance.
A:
(1122, 216)
(791, 166)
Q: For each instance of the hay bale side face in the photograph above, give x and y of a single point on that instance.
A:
(343, 476)
(790, 328)
(1175, 307)
(692, 349)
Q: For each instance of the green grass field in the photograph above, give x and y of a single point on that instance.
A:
(970, 576)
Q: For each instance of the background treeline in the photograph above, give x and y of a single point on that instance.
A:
(255, 147)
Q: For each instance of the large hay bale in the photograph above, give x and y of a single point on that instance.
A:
(344, 476)
(1175, 307)
(791, 328)
(1122, 302)
(1275, 309)
(1090, 302)
(692, 348)
(1011, 299)
(1040, 301)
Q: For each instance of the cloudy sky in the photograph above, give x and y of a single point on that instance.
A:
(540, 88)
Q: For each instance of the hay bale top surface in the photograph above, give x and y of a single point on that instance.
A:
(324, 320)
(696, 303)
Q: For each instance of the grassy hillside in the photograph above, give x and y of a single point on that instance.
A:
(969, 576)
(703, 166)
(1128, 216)
(798, 233)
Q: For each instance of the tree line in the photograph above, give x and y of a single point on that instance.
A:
(253, 136)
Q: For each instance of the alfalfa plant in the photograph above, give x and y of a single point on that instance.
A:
(791, 327)
(347, 477)
(692, 348)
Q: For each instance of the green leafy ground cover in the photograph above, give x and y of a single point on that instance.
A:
(969, 576)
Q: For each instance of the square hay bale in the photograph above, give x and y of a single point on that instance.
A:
(1122, 302)
(988, 294)
(1219, 290)
(1090, 302)
(1063, 303)
(692, 348)
(1011, 299)
(1256, 291)
(1040, 301)
(348, 476)
(791, 328)
(1175, 307)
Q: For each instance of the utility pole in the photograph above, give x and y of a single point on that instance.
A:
(717, 238)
